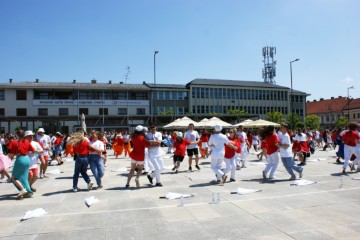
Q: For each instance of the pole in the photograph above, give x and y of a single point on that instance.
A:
(291, 95)
(153, 93)
(349, 100)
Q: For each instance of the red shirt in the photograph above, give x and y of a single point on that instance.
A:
(12, 145)
(22, 147)
(82, 148)
(58, 141)
(181, 147)
(204, 138)
(271, 141)
(350, 137)
(119, 140)
(229, 152)
(139, 145)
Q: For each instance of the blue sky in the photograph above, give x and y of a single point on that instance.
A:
(62, 40)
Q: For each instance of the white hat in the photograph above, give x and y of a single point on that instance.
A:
(179, 134)
(58, 133)
(145, 129)
(139, 128)
(29, 133)
(41, 130)
(218, 127)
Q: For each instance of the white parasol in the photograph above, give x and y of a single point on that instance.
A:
(243, 123)
(210, 123)
(180, 123)
(260, 123)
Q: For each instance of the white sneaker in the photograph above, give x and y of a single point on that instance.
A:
(22, 193)
(90, 186)
(41, 176)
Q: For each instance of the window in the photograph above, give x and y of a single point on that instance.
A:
(21, 112)
(85, 95)
(140, 111)
(84, 111)
(119, 95)
(138, 96)
(103, 111)
(167, 95)
(63, 111)
(42, 111)
(20, 94)
(161, 95)
(2, 95)
(122, 111)
(173, 95)
(2, 112)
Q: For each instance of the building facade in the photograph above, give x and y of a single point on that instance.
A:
(57, 106)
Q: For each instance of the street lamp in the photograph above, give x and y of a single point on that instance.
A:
(291, 94)
(153, 97)
(349, 100)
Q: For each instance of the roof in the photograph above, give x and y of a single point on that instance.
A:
(239, 83)
(71, 85)
(179, 86)
(331, 105)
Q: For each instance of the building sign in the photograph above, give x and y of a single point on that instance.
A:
(50, 102)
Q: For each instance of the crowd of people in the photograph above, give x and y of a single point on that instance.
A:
(30, 153)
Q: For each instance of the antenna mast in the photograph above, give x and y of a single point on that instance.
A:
(269, 70)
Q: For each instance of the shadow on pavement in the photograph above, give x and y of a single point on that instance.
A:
(58, 192)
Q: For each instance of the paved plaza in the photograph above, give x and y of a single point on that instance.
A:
(329, 209)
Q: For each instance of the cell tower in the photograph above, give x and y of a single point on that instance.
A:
(269, 70)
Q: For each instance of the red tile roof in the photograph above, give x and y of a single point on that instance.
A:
(331, 105)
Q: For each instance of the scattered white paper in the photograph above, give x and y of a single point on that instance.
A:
(301, 182)
(243, 191)
(34, 213)
(321, 159)
(173, 196)
(54, 171)
(357, 178)
(120, 170)
(90, 201)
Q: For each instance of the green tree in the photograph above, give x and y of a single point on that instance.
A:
(292, 119)
(276, 117)
(237, 112)
(342, 122)
(312, 121)
(300, 125)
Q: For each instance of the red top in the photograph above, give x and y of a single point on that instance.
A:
(119, 140)
(22, 147)
(229, 152)
(82, 148)
(58, 141)
(271, 141)
(350, 137)
(12, 146)
(139, 145)
(181, 147)
(105, 142)
(204, 138)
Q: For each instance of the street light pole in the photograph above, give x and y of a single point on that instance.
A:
(349, 100)
(291, 95)
(153, 94)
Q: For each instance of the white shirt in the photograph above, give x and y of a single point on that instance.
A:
(301, 138)
(45, 142)
(34, 156)
(192, 136)
(218, 149)
(285, 139)
(98, 145)
(154, 151)
(243, 138)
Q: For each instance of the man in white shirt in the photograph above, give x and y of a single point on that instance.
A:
(217, 148)
(45, 143)
(155, 154)
(33, 156)
(244, 151)
(286, 153)
(192, 149)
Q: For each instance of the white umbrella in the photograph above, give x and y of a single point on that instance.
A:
(210, 123)
(243, 122)
(83, 124)
(180, 123)
(260, 123)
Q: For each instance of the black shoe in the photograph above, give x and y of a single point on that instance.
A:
(197, 167)
(158, 185)
(150, 179)
(173, 169)
(232, 180)
(127, 185)
(190, 169)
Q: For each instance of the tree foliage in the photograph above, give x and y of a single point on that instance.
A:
(292, 119)
(312, 121)
(276, 117)
(342, 122)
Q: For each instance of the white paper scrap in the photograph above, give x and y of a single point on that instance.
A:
(90, 201)
(54, 171)
(243, 191)
(173, 196)
(120, 170)
(34, 213)
(301, 182)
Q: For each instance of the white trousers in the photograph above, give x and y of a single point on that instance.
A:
(158, 164)
(230, 166)
(348, 152)
(216, 167)
(273, 162)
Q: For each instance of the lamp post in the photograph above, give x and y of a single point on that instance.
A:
(153, 95)
(349, 100)
(291, 94)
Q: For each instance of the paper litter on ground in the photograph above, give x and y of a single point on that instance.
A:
(54, 171)
(357, 178)
(34, 213)
(173, 196)
(90, 201)
(301, 182)
(243, 191)
(120, 170)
